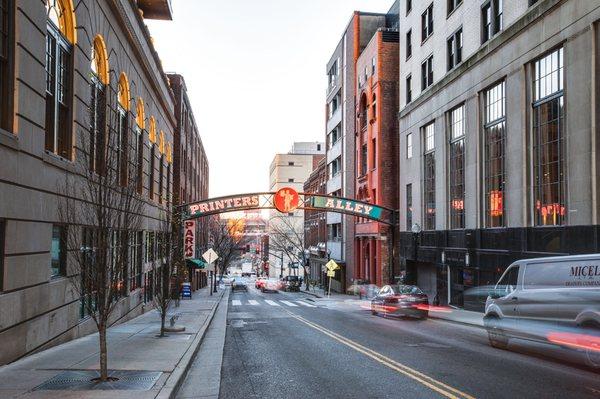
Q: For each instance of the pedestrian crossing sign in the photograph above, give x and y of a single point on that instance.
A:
(331, 266)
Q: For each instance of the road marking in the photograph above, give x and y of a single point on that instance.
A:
(253, 302)
(431, 383)
(290, 304)
(272, 303)
(306, 304)
(236, 302)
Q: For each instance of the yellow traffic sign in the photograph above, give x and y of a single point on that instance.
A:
(331, 265)
(330, 273)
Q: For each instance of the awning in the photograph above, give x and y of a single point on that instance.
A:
(197, 263)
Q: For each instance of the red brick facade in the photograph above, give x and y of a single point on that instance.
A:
(377, 150)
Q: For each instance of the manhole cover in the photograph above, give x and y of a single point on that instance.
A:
(81, 380)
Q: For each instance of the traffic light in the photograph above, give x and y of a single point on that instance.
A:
(247, 248)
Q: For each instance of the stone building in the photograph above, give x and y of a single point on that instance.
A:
(74, 72)
(290, 170)
(376, 156)
(498, 138)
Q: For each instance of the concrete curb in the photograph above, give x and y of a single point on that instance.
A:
(172, 384)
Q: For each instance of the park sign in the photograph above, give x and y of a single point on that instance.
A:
(357, 208)
(189, 239)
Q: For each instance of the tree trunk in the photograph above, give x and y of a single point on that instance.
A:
(103, 352)
(163, 316)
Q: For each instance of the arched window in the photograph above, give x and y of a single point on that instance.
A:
(161, 142)
(123, 129)
(152, 131)
(362, 112)
(140, 119)
(98, 82)
(60, 38)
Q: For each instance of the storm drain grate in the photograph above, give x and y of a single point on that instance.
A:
(81, 380)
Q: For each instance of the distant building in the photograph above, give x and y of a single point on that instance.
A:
(291, 170)
(315, 225)
(376, 153)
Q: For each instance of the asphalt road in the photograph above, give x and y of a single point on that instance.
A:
(278, 347)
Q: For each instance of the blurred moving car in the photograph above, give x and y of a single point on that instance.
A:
(291, 283)
(259, 282)
(401, 300)
(554, 299)
(239, 284)
(271, 285)
(363, 289)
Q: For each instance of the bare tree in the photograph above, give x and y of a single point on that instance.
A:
(286, 234)
(102, 211)
(227, 236)
(171, 260)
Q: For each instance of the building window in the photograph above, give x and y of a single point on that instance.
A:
(409, 146)
(335, 167)
(491, 19)
(408, 44)
(429, 177)
(58, 254)
(290, 163)
(139, 144)
(161, 177)
(363, 159)
(6, 76)
(373, 66)
(427, 73)
(454, 49)
(427, 23)
(452, 5)
(98, 82)
(408, 89)
(494, 150)
(318, 147)
(290, 180)
(135, 260)
(151, 173)
(457, 168)
(373, 153)
(548, 140)
(408, 6)
(2, 238)
(123, 130)
(58, 82)
(409, 207)
(334, 232)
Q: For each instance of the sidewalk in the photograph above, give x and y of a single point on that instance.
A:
(133, 345)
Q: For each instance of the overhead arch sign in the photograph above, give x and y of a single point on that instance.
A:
(287, 200)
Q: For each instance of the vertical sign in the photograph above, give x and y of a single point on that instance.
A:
(189, 239)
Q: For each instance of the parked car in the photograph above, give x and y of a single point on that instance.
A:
(271, 285)
(259, 282)
(291, 283)
(401, 300)
(538, 299)
(239, 284)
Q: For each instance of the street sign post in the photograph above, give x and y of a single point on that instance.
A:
(331, 268)
(211, 256)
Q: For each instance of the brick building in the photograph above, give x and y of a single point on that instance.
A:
(315, 225)
(376, 152)
(190, 168)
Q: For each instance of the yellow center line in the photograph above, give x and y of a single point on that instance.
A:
(431, 383)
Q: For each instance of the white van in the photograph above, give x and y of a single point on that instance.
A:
(538, 297)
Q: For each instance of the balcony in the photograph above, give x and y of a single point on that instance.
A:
(156, 9)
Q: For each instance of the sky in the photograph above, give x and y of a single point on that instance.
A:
(256, 77)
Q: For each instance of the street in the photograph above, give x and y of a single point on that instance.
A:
(288, 345)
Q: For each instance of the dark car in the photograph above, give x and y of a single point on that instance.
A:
(401, 300)
(239, 285)
(291, 283)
